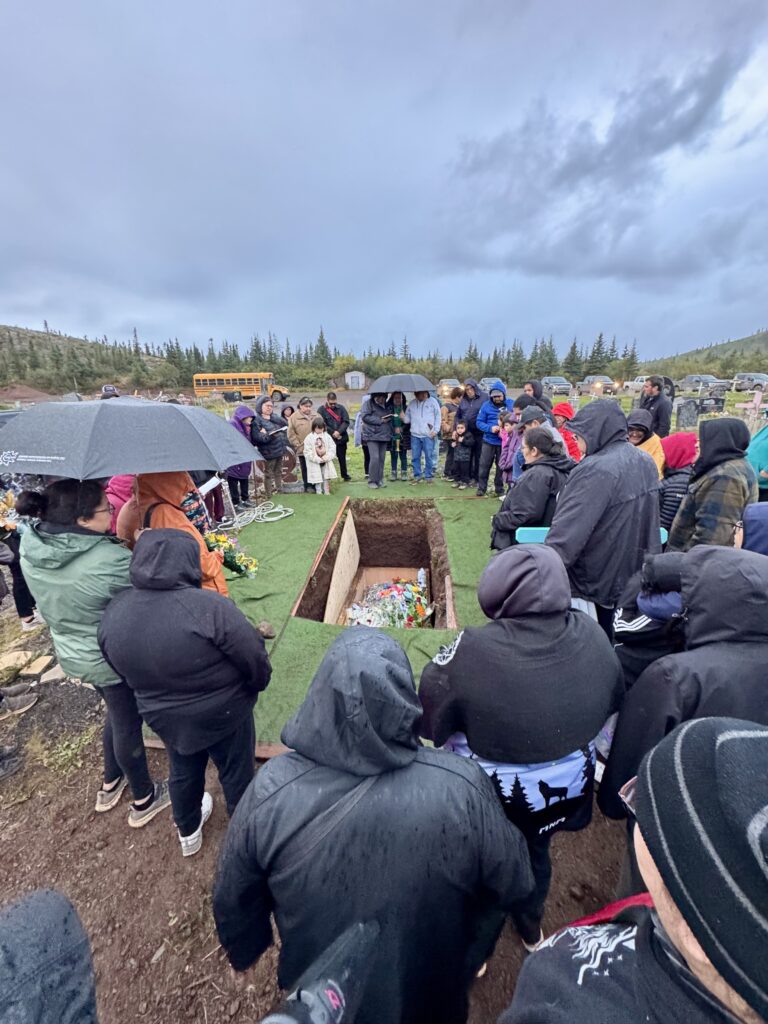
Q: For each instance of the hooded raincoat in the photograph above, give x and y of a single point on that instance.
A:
(360, 822)
(243, 469)
(73, 574)
(640, 419)
(565, 409)
(607, 515)
(722, 484)
(159, 505)
(722, 671)
(502, 684)
(200, 664)
(532, 501)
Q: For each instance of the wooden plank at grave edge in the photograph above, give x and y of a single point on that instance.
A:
(319, 556)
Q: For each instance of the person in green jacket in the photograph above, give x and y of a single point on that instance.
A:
(73, 568)
(757, 456)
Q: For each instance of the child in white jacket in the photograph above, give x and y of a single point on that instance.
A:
(320, 451)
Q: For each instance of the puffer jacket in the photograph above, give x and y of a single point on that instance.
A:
(488, 417)
(299, 425)
(722, 484)
(531, 502)
(270, 436)
(607, 515)
(200, 664)
(73, 574)
(722, 671)
(374, 425)
(361, 823)
(672, 490)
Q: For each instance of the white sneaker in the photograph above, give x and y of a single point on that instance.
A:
(35, 622)
(190, 845)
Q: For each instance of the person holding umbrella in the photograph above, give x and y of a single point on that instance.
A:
(73, 568)
(376, 417)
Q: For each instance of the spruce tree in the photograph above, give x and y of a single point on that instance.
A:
(597, 358)
(572, 367)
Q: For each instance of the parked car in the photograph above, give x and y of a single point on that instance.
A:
(750, 382)
(597, 384)
(446, 386)
(635, 386)
(556, 385)
(486, 383)
(698, 382)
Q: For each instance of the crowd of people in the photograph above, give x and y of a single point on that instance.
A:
(612, 658)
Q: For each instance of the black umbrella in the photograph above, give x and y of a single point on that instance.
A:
(92, 440)
(400, 382)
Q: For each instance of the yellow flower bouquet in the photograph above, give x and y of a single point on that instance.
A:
(235, 559)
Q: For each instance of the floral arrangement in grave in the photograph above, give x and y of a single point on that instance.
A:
(235, 559)
(401, 603)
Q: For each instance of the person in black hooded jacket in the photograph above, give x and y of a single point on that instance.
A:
(196, 665)
(607, 515)
(359, 823)
(269, 433)
(535, 389)
(496, 695)
(531, 502)
(722, 671)
(470, 405)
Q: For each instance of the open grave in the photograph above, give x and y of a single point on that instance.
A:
(374, 542)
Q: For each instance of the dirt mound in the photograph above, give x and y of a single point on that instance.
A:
(22, 393)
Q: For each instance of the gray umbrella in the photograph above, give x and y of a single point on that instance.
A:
(400, 382)
(92, 440)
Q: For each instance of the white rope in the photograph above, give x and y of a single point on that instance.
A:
(266, 512)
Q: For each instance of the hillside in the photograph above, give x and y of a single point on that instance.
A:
(57, 363)
(723, 359)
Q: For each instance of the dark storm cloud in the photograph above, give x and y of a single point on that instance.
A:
(558, 196)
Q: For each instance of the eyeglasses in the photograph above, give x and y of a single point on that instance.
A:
(106, 508)
(628, 794)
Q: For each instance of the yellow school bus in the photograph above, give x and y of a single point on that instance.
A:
(238, 384)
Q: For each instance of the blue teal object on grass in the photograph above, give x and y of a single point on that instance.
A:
(537, 534)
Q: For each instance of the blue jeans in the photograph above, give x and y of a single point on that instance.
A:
(425, 445)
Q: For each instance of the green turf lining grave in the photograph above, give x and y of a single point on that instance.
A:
(286, 551)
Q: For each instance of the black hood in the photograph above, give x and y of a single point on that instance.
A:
(725, 596)
(600, 423)
(720, 441)
(562, 462)
(361, 714)
(527, 579)
(538, 390)
(641, 419)
(472, 383)
(166, 560)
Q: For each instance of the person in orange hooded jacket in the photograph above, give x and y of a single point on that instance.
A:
(157, 503)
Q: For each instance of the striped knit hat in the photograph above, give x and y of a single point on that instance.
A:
(702, 808)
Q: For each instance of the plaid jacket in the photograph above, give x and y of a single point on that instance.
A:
(713, 505)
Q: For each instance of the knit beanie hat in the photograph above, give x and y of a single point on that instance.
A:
(563, 409)
(702, 808)
(679, 449)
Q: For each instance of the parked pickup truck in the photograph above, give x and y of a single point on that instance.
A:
(597, 384)
(698, 382)
(633, 387)
(556, 385)
(750, 382)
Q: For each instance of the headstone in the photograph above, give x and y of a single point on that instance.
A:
(708, 406)
(292, 482)
(687, 414)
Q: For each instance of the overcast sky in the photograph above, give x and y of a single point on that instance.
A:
(443, 169)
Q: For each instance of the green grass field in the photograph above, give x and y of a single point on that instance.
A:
(286, 550)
